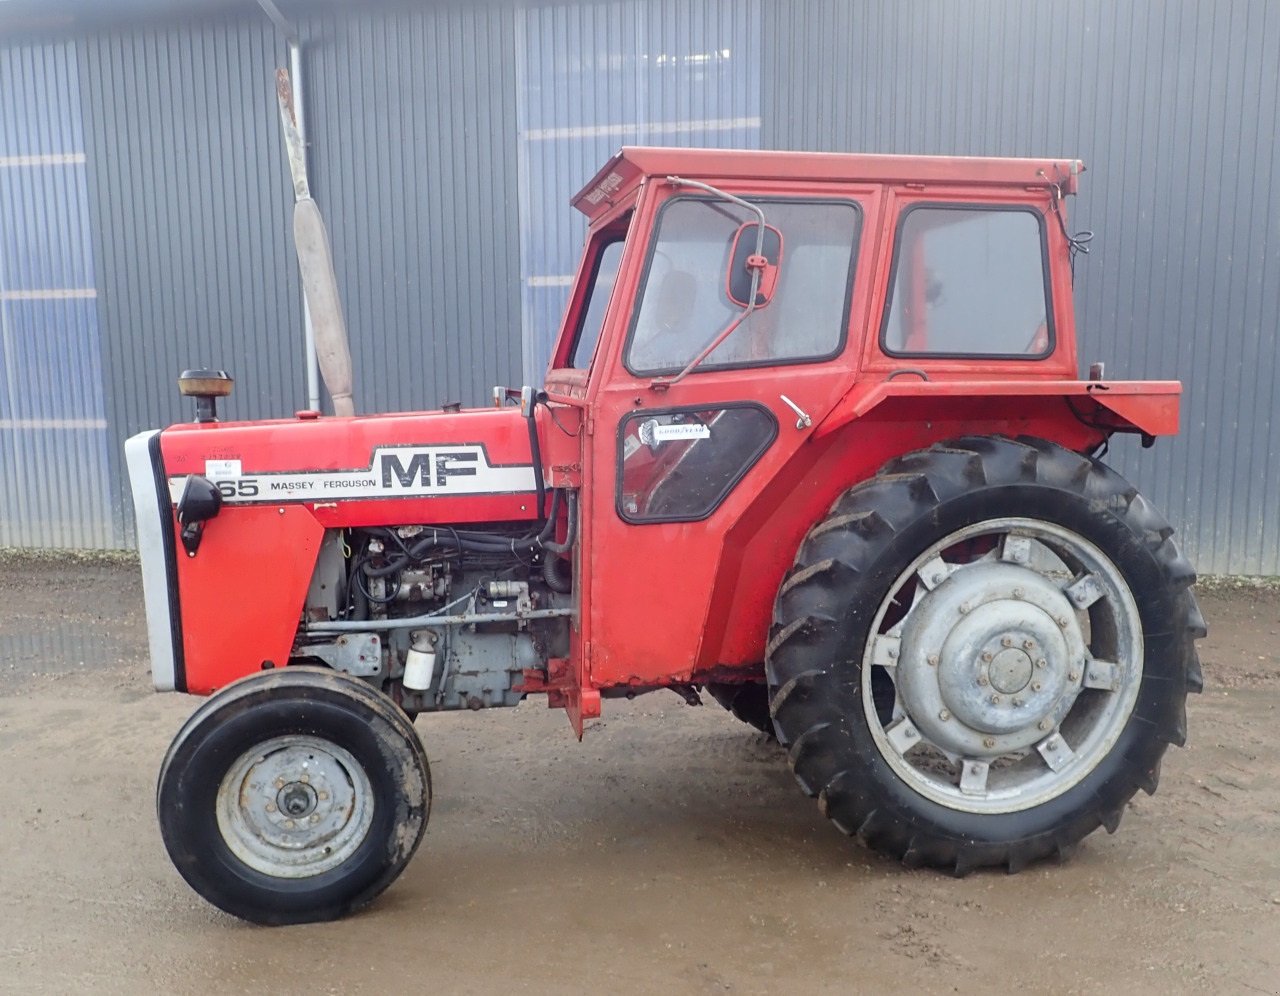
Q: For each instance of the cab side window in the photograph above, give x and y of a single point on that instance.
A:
(606, 274)
(969, 282)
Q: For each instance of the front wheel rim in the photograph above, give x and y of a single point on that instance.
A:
(295, 806)
(1013, 673)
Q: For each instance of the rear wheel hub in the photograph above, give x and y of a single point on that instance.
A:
(1009, 653)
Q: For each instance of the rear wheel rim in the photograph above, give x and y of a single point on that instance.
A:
(1011, 671)
(295, 806)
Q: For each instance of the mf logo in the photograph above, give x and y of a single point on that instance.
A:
(428, 468)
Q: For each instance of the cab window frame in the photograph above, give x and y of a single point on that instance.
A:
(707, 365)
(974, 208)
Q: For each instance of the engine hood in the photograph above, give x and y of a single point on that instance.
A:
(333, 464)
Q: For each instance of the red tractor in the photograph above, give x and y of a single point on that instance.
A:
(811, 440)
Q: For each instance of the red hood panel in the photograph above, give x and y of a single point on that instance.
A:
(481, 455)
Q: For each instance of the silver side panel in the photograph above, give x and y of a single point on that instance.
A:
(155, 579)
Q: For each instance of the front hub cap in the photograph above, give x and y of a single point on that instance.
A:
(295, 806)
(1006, 662)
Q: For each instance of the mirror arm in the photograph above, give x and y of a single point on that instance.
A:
(662, 383)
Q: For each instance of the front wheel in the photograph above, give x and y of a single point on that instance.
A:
(293, 796)
(982, 654)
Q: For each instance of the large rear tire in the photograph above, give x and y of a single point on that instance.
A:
(294, 796)
(982, 653)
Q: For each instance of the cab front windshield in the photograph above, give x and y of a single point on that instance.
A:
(684, 301)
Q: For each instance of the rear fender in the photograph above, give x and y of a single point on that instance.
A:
(1102, 407)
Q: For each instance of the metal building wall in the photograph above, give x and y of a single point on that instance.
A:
(411, 121)
(1173, 106)
(54, 442)
(189, 196)
(447, 138)
(594, 77)
(412, 127)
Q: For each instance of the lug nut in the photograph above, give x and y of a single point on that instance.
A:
(1062, 622)
(305, 779)
(944, 715)
(1042, 663)
(279, 783)
(1046, 725)
(933, 660)
(1017, 702)
(983, 679)
(1073, 676)
(1036, 686)
(323, 795)
(964, 608)
(1006, 641)
(987, 656)
(989, 742)
(271, 807)
(1028, 644)
(995, 700)
(315, 817)
(288, 824)
(1017, 592)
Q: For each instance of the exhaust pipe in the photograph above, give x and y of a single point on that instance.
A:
(315, 263)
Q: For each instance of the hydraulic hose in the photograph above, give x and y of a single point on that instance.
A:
(557, 573)
(570, 529)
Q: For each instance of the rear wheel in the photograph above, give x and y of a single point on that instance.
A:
(294, 796)
(982, 653)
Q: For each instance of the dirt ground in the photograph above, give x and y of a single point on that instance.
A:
(669, 851)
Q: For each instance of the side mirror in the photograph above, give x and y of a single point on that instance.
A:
(200, 502)
(743, 261)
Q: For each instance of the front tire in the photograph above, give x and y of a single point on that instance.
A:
(982, 653)
(293, 796)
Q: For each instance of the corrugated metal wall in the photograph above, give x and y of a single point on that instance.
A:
(54, 442)
(595, 77)
(447, 138)
(411, 124)
(190, 196)
(1173, 106)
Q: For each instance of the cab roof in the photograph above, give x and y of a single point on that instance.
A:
(621, 174)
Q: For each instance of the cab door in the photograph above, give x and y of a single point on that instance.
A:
(676, 461)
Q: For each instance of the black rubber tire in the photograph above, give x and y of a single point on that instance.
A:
(304, 701)
(747, 701)
(845, 569)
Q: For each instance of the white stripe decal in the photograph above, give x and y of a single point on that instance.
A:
(49, 294)
(394, 472)
(560, 281)
(45, 159)
(53, 423)
(641, 127)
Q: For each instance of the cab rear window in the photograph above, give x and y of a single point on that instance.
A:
(969, 282)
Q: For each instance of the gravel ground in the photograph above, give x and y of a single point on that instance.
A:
(669, 851)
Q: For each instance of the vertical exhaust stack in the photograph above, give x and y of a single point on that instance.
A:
(315, 263)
